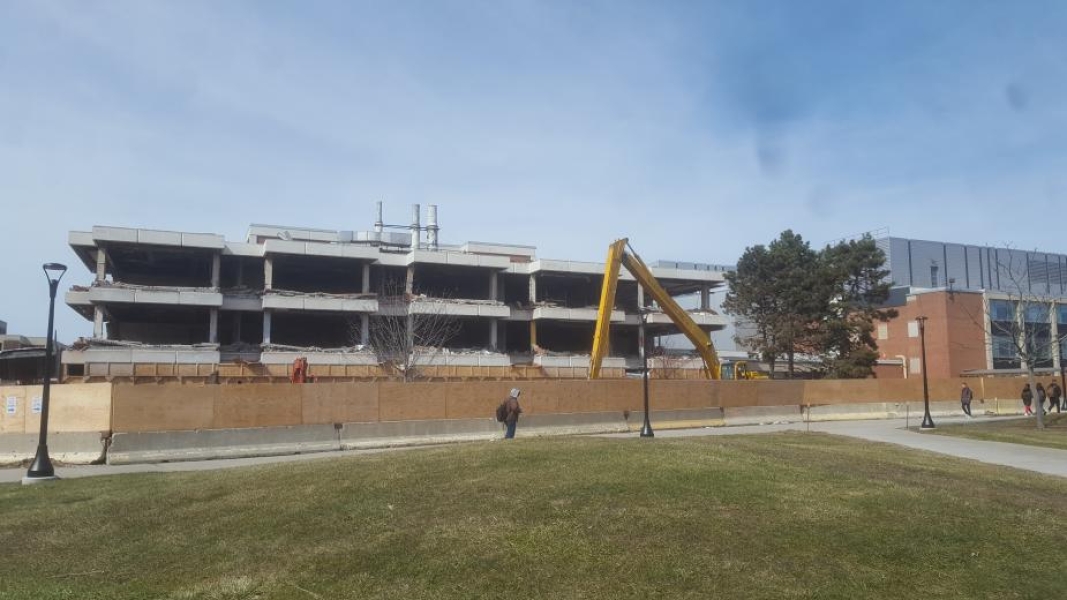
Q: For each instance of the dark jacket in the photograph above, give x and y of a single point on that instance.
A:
(1028, 396)
(966, 395)
(512, 408)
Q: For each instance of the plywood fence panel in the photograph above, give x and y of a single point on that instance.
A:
(20, 395)
(599, 396)
(738, 393)
(411, 401)
(1004, 388)
(339, 403)
(478, 399)
(76, 407)
(257, 405)
(899, 390)
(944, 389)
(681, 394)
(163, 407)
(841, 391)
(778, 393)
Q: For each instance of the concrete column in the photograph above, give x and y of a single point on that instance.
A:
(409, 281)
(705, 298)
(640, 296)
(493, 282)
(266, 327)
(493, 333)
(216, 267)
(364, 330)
(98, 322)
(101, 265)
(533, 334)
(1057, 360)
(213, 327)
(366, 278)
(268, 273)
(533, 290)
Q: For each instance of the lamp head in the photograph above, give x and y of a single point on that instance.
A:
(54, 271)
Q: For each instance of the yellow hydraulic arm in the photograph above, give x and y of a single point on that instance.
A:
(617, 256)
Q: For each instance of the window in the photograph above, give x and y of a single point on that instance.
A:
(1036, 312)
(913, 329)
(883, 331)
(915, 365)
(1001, 310)
(1004, 354)
(933, 275)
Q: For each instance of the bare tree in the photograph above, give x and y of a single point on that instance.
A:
(1018, 318)
(408, 331)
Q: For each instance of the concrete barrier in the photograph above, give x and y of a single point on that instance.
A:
(409, 433)
(678, 419)
(755, 415)
(71, 447)
(200, 444)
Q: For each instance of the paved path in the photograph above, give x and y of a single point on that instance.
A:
(1049, 461)
(1042, 460)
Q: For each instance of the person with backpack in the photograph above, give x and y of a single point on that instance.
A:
(1039, 395)
(1028, 398)
(508, 413)
(1054, 395)
(966, 395)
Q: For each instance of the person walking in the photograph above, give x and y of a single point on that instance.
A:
(966, 395)
(1039, 395)
(1028, 398)
(1054, 395)
(512, 410)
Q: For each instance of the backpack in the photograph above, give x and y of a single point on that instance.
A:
(502, 412)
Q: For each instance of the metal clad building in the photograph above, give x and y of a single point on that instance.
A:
(927, 264)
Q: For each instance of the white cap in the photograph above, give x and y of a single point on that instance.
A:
(514, 392)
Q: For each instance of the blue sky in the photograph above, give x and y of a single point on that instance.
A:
(694, 128)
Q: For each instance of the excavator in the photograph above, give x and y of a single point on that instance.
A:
(618, 257)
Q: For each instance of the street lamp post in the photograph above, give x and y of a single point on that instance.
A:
(646, 429)
(928, 421)
(41, 468)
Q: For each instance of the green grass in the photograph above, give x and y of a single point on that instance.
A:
(789, 515)
(1014, 431)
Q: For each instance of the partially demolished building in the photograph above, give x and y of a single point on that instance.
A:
(194, 306)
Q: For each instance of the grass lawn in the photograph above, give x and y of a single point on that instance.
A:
(789, 515)
(1015, 431)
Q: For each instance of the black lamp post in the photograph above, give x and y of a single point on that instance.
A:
(646, 429)
(41, 469)
(928, 421)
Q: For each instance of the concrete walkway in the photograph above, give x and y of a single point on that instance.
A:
(1049, 461)
(1031, 458)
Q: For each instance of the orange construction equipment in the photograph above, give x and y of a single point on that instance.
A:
(300, 371)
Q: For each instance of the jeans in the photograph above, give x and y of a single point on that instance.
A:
(510, 433)
(967, 408)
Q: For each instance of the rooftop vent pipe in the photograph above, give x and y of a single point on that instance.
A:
(378, 224)
(415, 236)
(431, 226)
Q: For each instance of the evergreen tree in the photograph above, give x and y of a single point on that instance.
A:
(853, 275)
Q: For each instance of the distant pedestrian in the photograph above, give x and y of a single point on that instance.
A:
(966, 395)
(512, 410)
(1028, 398)
(1039, 395)
(1054, 395)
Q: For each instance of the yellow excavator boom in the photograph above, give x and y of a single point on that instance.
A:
(617, 255)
